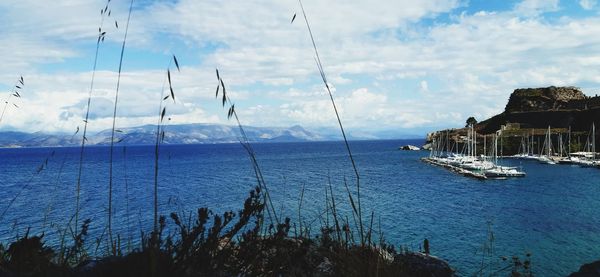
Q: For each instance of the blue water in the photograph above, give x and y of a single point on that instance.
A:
(553, 213)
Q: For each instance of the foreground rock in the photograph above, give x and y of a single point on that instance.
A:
(588, 270)
(419, 264)
(410, 148)
(312, 262)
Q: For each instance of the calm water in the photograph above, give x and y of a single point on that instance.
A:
(553, 213)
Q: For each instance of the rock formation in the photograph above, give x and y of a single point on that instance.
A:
(543, 99)
(532, 110)
(558, 107)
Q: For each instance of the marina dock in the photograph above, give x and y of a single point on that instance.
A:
(456, 169)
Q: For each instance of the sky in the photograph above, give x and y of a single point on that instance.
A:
(400, 66)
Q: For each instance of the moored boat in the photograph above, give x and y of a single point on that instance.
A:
(501, 171)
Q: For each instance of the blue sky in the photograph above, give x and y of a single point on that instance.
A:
(407, 66)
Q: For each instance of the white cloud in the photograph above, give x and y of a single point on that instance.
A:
(251, 22)
(358, 109)
(587, 4)
(378, 55)
(58, 103)
(424, 86)
(536, 7)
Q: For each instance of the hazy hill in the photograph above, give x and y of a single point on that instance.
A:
(198, 133)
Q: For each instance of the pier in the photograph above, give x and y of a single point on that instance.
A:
(456, 169)
(468, 162)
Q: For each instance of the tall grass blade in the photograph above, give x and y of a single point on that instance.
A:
(322, 72)
(162, 114)
(87, 115)
(334, 211)
(250, 151)
(14, 93)
(176, 63)
(112, 136)
(160, 136)
(300, 208)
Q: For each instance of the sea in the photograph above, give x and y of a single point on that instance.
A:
(551, 216)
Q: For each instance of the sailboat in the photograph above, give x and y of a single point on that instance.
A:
(469, 164)
(569, 159)
(523, 151)
(591, 161)
(471, 161)
(594, 162)
(530, 148)
(498, 171)
(548, 149)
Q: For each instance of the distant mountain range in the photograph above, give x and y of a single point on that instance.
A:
(198, 133)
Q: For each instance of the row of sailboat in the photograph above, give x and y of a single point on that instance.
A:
(466, 161)
(563, 155)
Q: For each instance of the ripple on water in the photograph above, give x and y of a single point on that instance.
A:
(551, 213)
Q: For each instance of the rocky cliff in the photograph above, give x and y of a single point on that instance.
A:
(544, 99)
(558, 107)
(530, 111)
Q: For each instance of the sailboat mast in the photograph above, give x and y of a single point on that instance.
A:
(474, 143)
(471, 141)
(560, 145)
(447, 142)
(526, 144)
(532, 138)
(468, 143)
(569, 154)
(501, 148)
(593, 142)
(484, 147)
(495, 149)
(548, 143)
